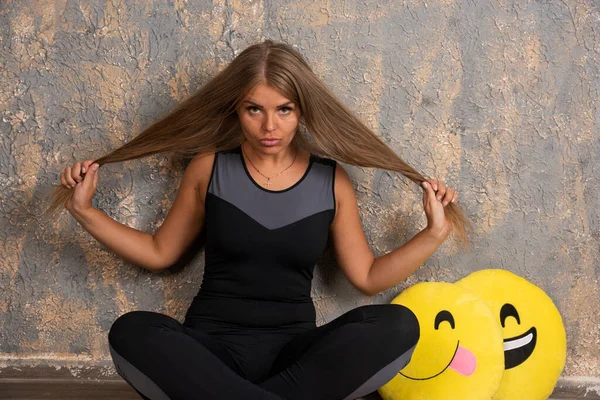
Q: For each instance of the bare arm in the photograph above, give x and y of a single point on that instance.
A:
(182, 224)
(132, 245)
(392, 268)
(368, 273)
(186, 217)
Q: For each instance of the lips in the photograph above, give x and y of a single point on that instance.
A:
(269, 142)
(519, 348)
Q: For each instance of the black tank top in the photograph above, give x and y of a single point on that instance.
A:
(262, 245)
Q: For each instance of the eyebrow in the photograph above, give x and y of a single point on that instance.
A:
(258, 105)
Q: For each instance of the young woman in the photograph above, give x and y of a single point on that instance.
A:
(269, 197)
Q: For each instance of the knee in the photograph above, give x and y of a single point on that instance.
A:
(398, 325)
(127, 326)
(406, 321)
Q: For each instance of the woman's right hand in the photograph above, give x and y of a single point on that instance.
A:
(83, 185)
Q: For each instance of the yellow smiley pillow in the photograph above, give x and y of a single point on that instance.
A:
(459, 354)
(535, 345)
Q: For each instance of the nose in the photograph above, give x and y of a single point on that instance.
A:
(269, 123)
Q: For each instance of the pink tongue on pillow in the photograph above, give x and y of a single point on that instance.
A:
(464, 362)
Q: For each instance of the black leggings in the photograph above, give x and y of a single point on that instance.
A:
(349, 357)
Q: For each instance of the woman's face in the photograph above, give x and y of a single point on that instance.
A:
(268, 119)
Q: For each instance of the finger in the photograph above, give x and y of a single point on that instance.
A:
(85, 165)
(63, 181)
(455, 197)
(88, 182)
(69, 178)
(428, 192)
(433, 183)
(76, 172)
(95, 180)
(439, 195)
(448, 196)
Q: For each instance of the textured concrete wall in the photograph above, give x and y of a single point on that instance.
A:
(498, 98)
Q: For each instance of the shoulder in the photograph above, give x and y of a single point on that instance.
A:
(199, 171)
(342, 184)
(341, 179)
(324, 161)
(342, 188)
(324, 167)
(343, 191)
(200, 163)
(202, 160)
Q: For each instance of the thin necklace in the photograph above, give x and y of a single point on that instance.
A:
(273, 176)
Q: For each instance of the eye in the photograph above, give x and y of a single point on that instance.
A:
(253, 109)
(444, 316)
(508, 310)
(286, 110)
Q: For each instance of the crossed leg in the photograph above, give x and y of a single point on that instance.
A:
(349, 357)
(163, 360)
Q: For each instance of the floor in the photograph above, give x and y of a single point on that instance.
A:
(71, 389)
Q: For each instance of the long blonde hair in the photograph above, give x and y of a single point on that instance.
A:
(207, 121)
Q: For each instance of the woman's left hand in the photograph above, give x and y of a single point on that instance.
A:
(436, 196)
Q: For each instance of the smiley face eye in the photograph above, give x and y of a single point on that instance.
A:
(508, 310)
(444, 316)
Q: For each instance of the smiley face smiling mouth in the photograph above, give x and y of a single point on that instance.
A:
(462, 361)
(518, 349)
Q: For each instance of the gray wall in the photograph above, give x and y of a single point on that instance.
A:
(498, 98)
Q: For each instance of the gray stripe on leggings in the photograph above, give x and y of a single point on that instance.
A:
(383, 376)
(136, 378)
